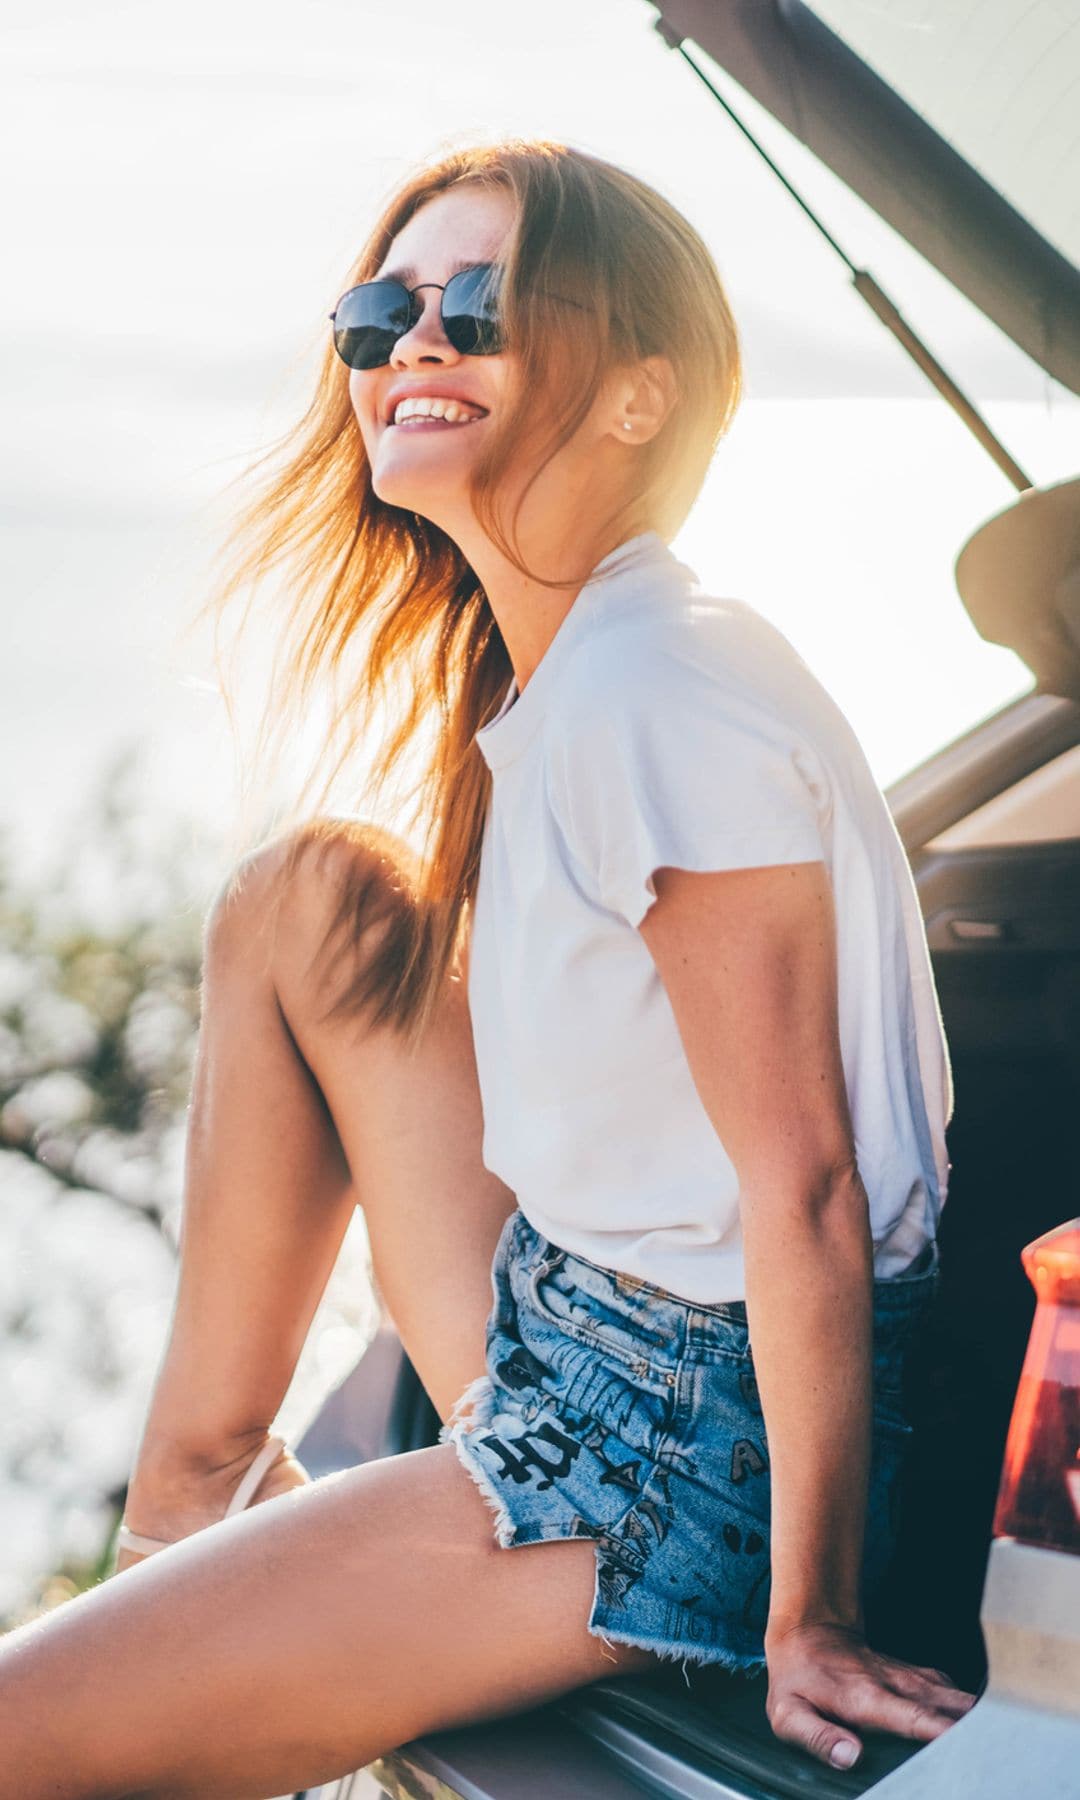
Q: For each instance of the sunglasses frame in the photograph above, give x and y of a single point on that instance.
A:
(442, 286)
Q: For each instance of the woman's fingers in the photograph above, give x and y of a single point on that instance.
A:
(810, 1719)
(822, 1687)
(929, 1685)
(805, 1722)
(798, 1722)
(875, 1704)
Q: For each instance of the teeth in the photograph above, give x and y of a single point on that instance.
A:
(424, 406)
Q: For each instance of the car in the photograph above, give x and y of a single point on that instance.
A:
(991, 825)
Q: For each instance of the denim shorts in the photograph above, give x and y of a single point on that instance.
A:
(615, 1411)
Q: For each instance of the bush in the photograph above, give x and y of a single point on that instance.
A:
(99, 1011)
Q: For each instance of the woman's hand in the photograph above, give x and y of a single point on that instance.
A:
(822, 1677)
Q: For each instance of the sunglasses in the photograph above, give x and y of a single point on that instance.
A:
(369, 319)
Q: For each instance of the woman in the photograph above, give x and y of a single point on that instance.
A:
(692, 940)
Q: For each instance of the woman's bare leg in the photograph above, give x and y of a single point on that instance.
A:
(299, 1640)
(296, 1642)
(291, 1123)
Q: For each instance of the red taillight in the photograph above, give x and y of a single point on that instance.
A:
(1039, 1498)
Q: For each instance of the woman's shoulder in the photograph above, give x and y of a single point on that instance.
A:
(680, 649)
(673, 746)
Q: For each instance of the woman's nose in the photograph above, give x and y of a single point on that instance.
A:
(425, 340)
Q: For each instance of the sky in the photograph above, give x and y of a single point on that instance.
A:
(193, 186)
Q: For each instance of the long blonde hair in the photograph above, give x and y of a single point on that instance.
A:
(642, 282)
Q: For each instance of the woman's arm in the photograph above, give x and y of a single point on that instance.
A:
(748, 959)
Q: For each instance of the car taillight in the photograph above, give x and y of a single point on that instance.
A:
(1039, 1497)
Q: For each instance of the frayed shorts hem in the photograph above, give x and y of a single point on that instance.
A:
(472, 1411)
(613, 1412)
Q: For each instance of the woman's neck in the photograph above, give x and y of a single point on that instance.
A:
(528, 613)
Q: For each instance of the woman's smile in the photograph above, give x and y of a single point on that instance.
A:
(420, 423)
(432, 403)
(412, 416)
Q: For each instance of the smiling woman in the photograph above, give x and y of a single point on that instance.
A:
(698, 1009)
(399, 532)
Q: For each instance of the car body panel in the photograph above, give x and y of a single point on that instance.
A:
(534, 1756)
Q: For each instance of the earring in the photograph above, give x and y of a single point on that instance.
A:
(627, 425)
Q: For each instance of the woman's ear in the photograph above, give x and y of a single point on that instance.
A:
(649, 393)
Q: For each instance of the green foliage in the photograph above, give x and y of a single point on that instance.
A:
(99, 989)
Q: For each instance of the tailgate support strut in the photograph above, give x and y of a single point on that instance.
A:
(865, 285)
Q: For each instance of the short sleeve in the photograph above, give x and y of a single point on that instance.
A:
(664, 766)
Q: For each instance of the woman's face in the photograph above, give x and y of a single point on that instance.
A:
(423, 464)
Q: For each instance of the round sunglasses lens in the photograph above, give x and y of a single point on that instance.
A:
(368, 322)
(470, 311)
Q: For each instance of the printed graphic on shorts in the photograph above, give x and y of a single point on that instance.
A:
(747, 1458)
(622, 1553)
(624, 1548)
(748, 1388)
(627, 1475)
(542, 1453)
(656, 1452)
(733, 1586)
(521, 1369)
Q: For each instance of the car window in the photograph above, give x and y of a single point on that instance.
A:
(997, 83)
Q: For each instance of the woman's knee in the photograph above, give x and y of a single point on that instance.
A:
(314, 905)
(305, 870)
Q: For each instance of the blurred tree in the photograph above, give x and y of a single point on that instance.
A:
(100, 966)
(99, 1003)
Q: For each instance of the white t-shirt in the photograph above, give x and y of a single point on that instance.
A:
(665, 727)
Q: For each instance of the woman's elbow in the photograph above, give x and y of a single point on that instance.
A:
(816, 1195)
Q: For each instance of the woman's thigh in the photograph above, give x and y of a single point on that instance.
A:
(301, 1640)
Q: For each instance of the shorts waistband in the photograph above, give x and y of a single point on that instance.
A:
(894, 1297)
